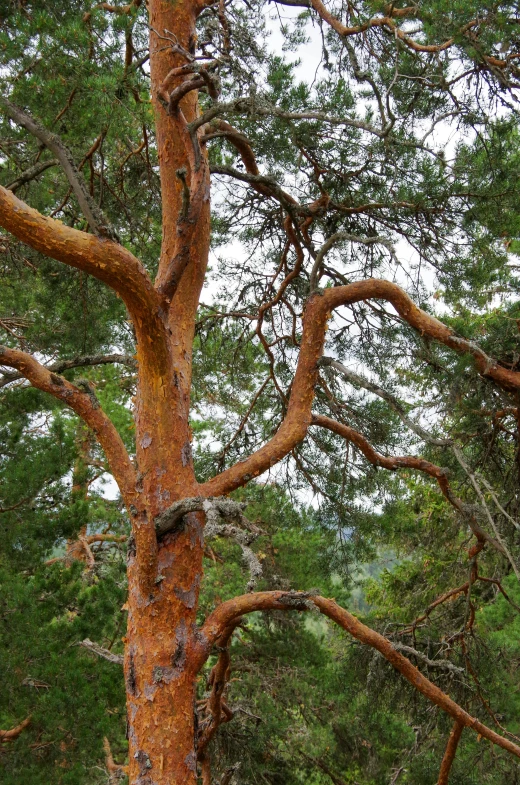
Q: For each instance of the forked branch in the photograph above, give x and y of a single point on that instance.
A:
(229, 611)
(317, 312)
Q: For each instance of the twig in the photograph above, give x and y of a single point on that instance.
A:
(490, 518)
(95, 648)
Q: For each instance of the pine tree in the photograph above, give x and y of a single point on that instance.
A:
(346, 165)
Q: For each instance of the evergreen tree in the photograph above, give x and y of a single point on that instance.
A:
(115, 123)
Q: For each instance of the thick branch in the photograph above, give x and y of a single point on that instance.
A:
(100, 257)
(317, 312)
(225, 614)
(84, 403)
(89, 208)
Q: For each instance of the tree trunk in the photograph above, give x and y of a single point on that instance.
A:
(160, 682)
(161, 635)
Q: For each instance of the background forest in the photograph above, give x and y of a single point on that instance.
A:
(432, 203)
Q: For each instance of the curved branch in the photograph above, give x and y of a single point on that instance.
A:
(336, 238)
(104, 259)
(229, 611)
(13, 733)
(265, 185)
(219, 128)
(386, 462)
(218, 680)
(86, 406)
(317, 312)
(410, 462)
(451, 750)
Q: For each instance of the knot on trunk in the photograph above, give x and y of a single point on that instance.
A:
(224, 518)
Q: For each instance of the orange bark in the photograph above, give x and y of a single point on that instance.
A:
(226, 613)
(159, 670)
(449, 755)
(317, 312)
(13, 733)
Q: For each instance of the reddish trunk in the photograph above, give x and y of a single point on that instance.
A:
(159, 671)
(160, 677)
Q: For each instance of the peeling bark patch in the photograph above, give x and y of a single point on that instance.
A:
(191, 762)
(146, 441)
(198, 636)
(131, 549)
(196, 529)
(143, 759)
(165, 673)
(150, 690)
(166, 558)
(178, 658)
(131, 684)
(186, 454)
(188, 597)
